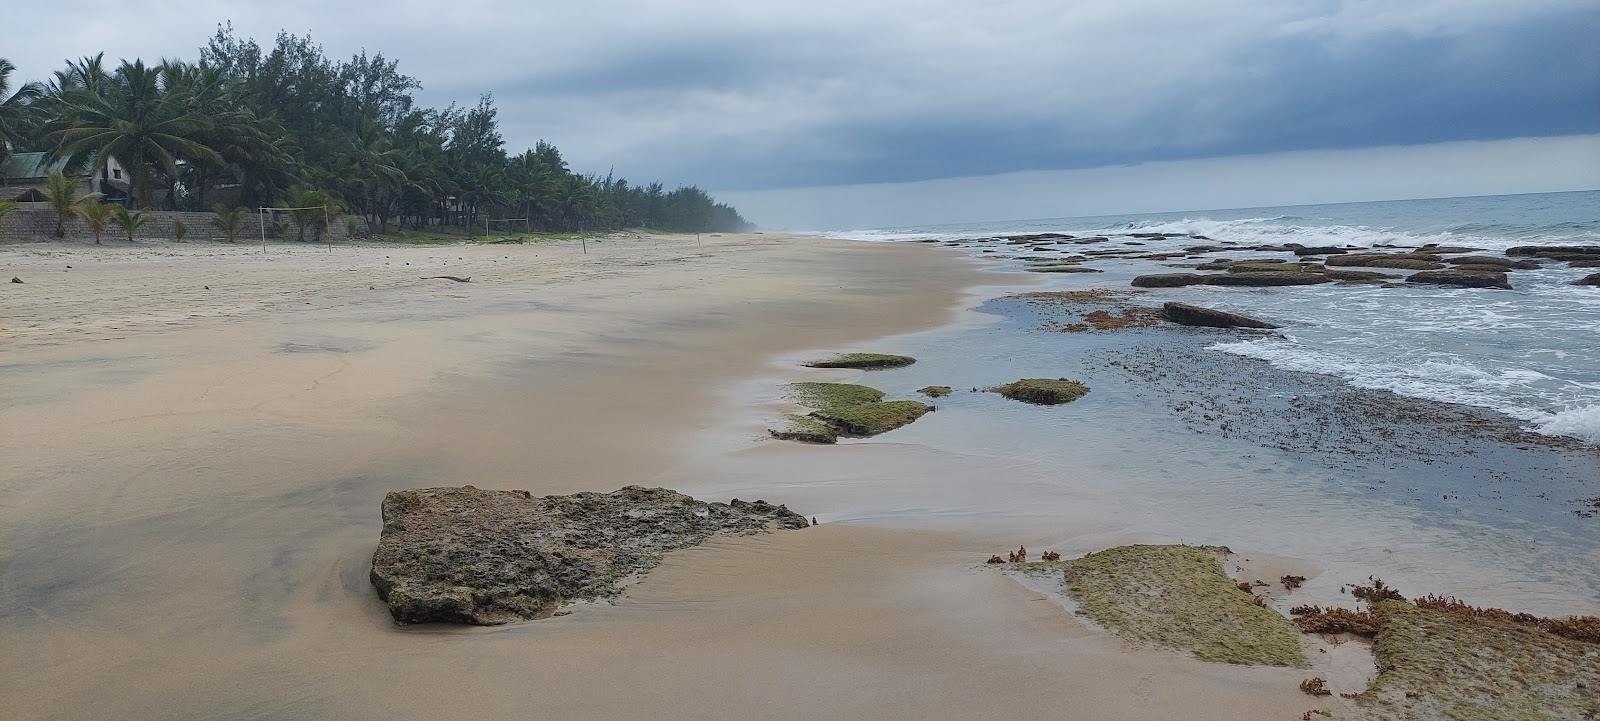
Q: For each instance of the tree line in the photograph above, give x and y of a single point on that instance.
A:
(287, 126)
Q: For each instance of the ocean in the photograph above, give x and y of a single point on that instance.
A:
(1532, 353)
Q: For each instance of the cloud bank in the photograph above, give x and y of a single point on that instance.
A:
(737, 95)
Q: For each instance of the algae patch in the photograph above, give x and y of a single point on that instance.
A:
(1043, 391)
(851, 410)
(866, 361)
(1442, 662)
(804, 429)
(870, 419)
(831, 395)
(1179, 597)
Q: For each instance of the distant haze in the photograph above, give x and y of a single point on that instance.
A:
(1442, 170)
(735, 95)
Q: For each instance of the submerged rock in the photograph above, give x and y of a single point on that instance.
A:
(1267, 278)
(1463, 278)
(467, 555)
(1168, 280)
(1418, 261)
(1319, 250)
(1557, 252)
(1185, 314)
(1590, 279)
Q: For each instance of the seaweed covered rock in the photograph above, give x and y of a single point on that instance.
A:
(1557, 252)
(934, 391)
(1502, 264)
(804, 429)
(1179, 597)
(1063, 268)
(1043, 391)
(868, 361)
(1265, 279)
(1461, 278)
(1302, 251)
(1358, 276)
(1417, 261)
(467, 555)
(1168, 280)
(855, 410)
(1185, 314)
(870, 419)
(1435, 661)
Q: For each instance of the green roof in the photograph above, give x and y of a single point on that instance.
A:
(24, 166)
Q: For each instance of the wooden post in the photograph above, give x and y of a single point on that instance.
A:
(263, 230)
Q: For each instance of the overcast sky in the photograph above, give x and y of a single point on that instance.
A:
(739, 96)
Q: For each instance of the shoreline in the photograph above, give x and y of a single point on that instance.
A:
(243, 455)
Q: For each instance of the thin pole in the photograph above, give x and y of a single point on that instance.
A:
(263, 231)
(327, 229)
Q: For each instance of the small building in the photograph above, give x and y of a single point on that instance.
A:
(22, 178)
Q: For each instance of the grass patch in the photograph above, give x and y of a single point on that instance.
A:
(870, 419)
(1179, 597)
(868, 361)
(419, 239)
(823, 396)
(804, 429)
(935, 391)
(1442, 662)
(1043, 391)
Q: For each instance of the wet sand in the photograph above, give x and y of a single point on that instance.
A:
(192, 478)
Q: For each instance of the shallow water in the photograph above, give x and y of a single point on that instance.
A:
(1530, 353)
(1433, 498)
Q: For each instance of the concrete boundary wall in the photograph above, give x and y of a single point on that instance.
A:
(33, 225)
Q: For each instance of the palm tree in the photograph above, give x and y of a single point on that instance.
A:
(133, 118)
(96, 214)
(229, 220)
(129, 221)
(61, 193)
(16, 109)
(312, 208)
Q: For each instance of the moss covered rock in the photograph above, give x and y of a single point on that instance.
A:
(868, 361)
(934, 391)
(831, 395)
(1168, 280)
(804, 429)
(870, 419)
(1437, 663)
(1399, 261)
(1043, 391)
(1461, 278)
(1179, 597)
(1262, 279)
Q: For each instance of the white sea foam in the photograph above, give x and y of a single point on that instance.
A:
(1581, 423)
(1511, 392)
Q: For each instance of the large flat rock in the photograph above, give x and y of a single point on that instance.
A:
(468, 555)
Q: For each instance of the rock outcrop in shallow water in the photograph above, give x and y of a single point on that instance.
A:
(1461, 278)
(468, 555)
(1185, 314)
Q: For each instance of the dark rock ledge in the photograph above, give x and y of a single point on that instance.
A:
(468, 555)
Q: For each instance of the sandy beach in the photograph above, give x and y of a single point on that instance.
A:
(193, 475)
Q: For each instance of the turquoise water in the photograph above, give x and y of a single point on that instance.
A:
(1532, 353)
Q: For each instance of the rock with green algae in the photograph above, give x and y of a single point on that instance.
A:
(867, 361)
(934, 391)
(1443, 663)
(855, 410)
(870, 419)
(1043, 391)
(1179, 597)
(804, 429)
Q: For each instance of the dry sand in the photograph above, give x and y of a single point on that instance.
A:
(192, 476)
